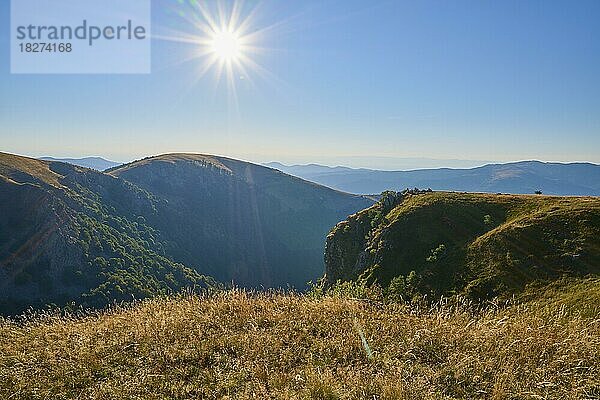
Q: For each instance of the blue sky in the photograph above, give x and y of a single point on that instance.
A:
(471, 80)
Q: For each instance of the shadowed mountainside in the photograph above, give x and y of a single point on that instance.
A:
(243, 222)
(74, 234)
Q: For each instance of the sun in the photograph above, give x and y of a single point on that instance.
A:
(225, 39)
(226, 45)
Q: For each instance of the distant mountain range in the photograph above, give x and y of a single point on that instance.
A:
(154, 226)
(387, 163)
(97, 163)
(519, 178)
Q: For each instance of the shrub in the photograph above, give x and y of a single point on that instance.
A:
(437, 254)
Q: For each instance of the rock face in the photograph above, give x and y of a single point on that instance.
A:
(346, 247)
(481, 245)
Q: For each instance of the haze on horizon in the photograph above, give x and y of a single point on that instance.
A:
(462, 81)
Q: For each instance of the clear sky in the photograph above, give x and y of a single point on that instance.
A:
(342, 80)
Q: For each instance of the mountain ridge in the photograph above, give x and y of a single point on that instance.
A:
(521, 177)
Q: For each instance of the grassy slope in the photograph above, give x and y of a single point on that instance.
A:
(494, 243)
(234, 345)
(171, 158)
(21, 168)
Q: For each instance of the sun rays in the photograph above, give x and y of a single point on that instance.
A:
(224, 39)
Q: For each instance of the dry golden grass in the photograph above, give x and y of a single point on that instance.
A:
(238, 345)
(11, 164)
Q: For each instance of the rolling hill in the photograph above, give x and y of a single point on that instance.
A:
(526, 177)
(72, 234)
(480, 245)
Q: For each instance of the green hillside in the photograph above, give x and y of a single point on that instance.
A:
(481, 245)
(70, 234)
